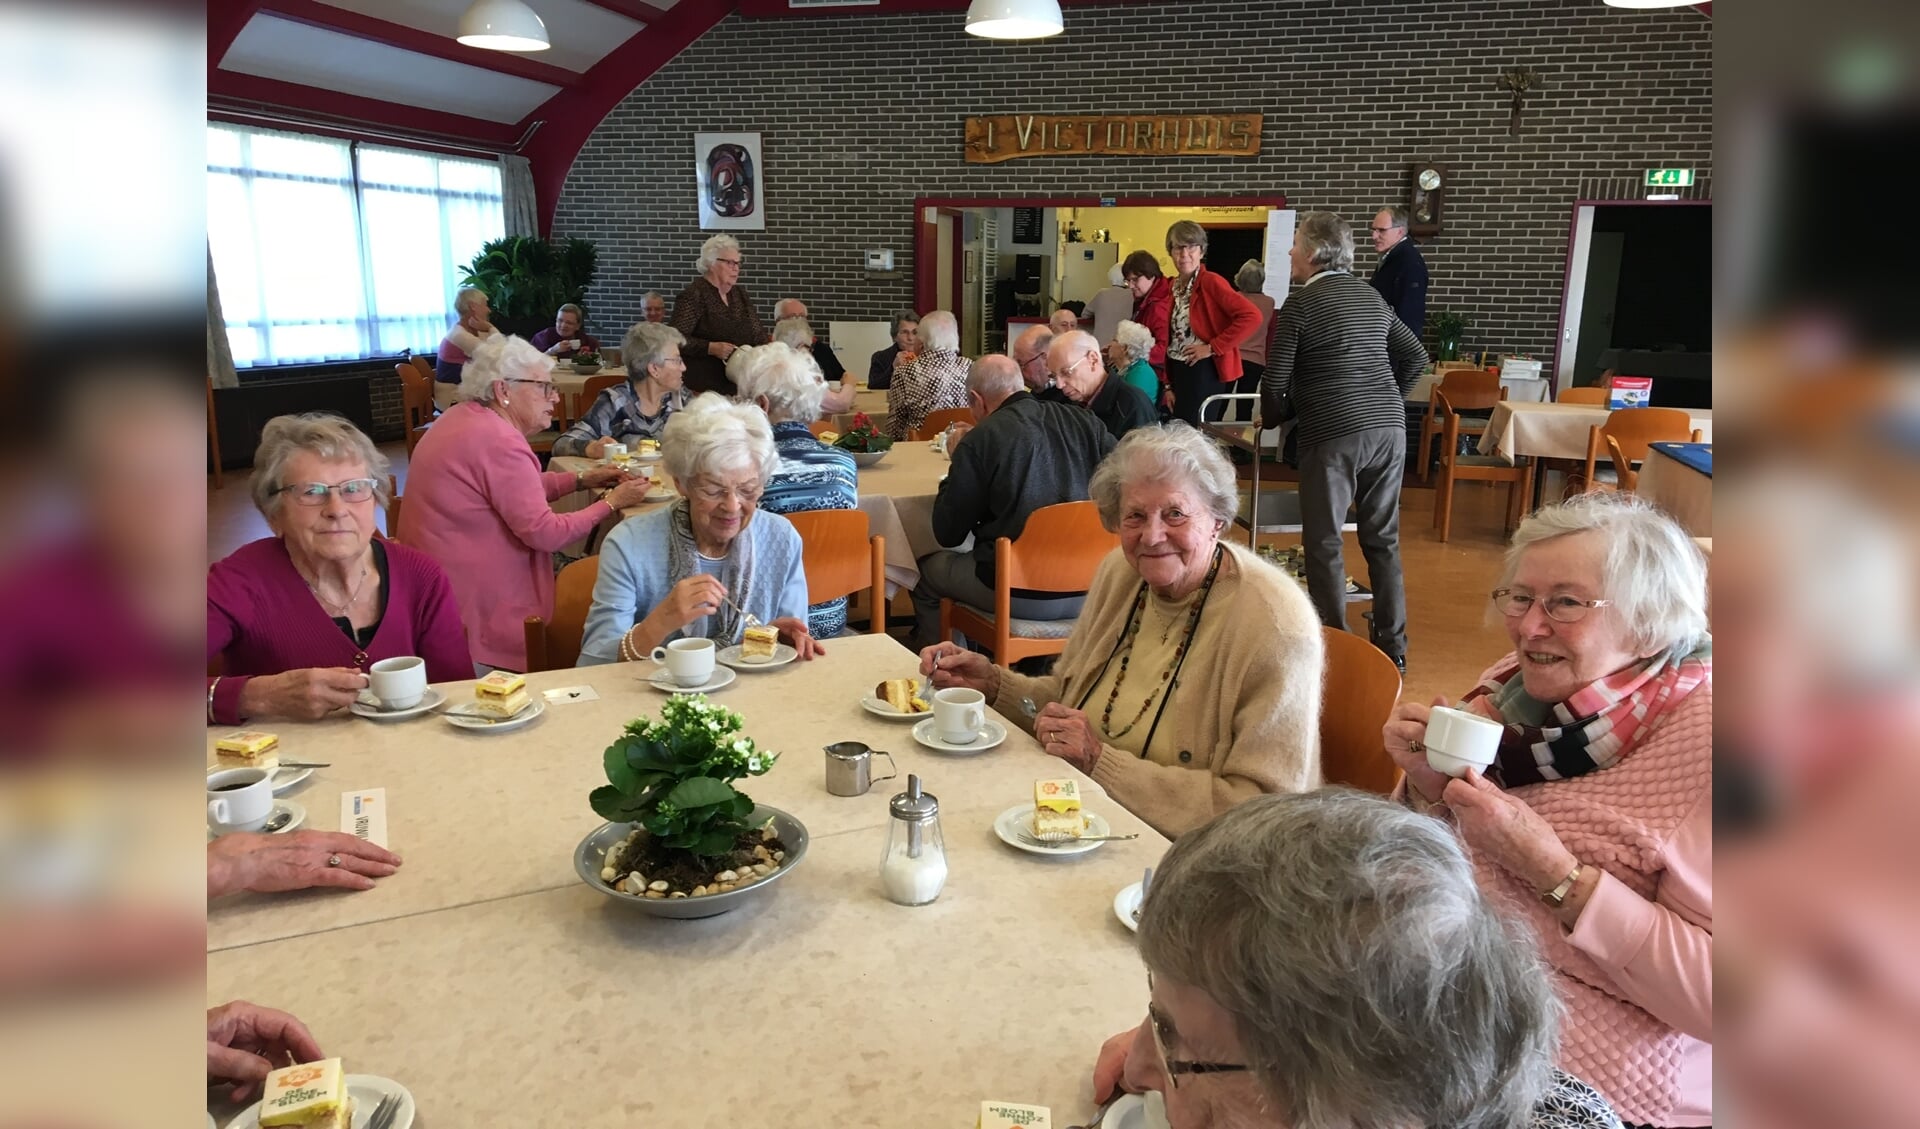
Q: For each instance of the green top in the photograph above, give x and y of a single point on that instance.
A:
(1141, 375)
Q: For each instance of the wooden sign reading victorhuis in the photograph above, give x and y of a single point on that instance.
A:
(1007, 136)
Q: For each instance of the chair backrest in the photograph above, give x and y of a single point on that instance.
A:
(596, 385)
(820, 427)
(840, 558)
(393, 508)
(1058, 551)
(1361, 687)
(423, 365)
(1634, 428)
(1589, 395)
(936, 422)
(1470, 389)
(555, 643)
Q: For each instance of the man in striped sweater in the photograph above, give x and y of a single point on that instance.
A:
(1339, 368)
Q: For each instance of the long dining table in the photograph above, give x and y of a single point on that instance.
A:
(500, 989)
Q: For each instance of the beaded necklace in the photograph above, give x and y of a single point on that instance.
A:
(1179, 652)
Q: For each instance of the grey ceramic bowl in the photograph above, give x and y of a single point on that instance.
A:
(867, 458)
(592, 851)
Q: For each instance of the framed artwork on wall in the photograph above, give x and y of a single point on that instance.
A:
(730, 181)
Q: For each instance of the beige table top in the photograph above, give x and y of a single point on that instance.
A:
(1683, 492)
(1555, 431)
(479, 816)
(823, 1004)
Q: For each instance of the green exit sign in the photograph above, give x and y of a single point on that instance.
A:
(1669, 178)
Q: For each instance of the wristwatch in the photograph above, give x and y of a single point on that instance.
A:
(1557, 896)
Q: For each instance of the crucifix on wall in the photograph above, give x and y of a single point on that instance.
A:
(1517, 82)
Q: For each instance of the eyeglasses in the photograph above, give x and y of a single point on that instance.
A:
(714, 495)
(546, 384)
(1063, 372)
(1516, 602)
(315, 493)
(1379, 230)
(729, 262)
(1175, 1067)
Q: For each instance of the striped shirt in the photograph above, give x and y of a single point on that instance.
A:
(1340, 362)
(812, 476)
(616, 411)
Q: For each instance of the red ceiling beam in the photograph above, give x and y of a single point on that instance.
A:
(571, 116)
(233, 87)
(329, 18)
(640, 9)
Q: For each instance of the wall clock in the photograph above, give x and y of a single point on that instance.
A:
(1426, 196)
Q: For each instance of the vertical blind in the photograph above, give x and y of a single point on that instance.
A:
(329, 249)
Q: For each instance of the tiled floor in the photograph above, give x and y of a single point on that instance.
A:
(1449, 639)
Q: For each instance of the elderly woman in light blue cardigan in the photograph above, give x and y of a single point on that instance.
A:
(689, 570)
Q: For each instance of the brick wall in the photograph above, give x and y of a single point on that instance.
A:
(860, 114)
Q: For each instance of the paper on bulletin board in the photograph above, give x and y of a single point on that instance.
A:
(1279, 252)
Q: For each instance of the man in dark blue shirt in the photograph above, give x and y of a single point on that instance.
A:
(1401, 274)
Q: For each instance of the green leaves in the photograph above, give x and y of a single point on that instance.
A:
(673, 776)
(700, 792)
(528, 277)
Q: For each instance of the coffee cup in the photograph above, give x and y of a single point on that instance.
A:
(958, 714)
(1457, 740)
(689, 662)
(239, 799)
(399, 683)
(614, 452)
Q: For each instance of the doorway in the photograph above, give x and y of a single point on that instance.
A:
(1638, 297)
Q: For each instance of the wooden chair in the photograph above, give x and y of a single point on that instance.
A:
(936, 422)
(556, 644)
(1594, 395)
(589, 392)
(1467, 390)
(1058, 551)
(422, 363)
(417, 410)
(213, 438)
(1625, 437)
(1362, 685)
(840, 559)
(820, 427)
(393, 508)
(1456, 467)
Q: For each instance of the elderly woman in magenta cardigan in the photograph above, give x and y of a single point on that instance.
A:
(1209, 321)
(1595, 821)
(1192, 679)
(294, 620)
(478, 503)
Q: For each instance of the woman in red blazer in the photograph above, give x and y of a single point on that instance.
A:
(1209, 321)
(1152, 307)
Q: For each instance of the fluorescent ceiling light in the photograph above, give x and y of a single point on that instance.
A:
(1015, 19)
(503, 25)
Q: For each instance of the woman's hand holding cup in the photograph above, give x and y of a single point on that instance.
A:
(1405, 736)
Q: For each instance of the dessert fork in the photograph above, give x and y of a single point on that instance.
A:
(1037, 841)
(746, 616)
(388, 1109)
(1101, 1114)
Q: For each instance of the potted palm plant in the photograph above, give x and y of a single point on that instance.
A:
(527, 278)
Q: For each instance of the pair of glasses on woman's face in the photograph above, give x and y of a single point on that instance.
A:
(1175, 1067)
(315, 493)
(713, 493)
(1517, 602)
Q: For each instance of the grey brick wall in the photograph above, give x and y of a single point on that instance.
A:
(860, 114)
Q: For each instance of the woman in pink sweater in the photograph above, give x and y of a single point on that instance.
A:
(1595, 821)
(478, 503)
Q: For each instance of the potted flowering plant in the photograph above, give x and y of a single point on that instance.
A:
(587, 359)
(678, 830)
(864, 440)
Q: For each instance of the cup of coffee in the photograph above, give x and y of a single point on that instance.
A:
(614, 452)
(958, 714)
(399, 683)
(689, 662)
(239, 799)
(1457, 740)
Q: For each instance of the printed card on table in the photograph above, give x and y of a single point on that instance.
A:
(364, 815)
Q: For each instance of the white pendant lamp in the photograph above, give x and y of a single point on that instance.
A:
(1651, 3)
(1015, 19)
(503, 25)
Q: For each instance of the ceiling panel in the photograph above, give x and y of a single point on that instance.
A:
(281, 49)
(581, 33)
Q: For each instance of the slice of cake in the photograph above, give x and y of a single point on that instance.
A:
(757, 643)
(501, 694)
(648, 448)
(902, 694)
(312, 1095)
(248, 749)
(1056, 809)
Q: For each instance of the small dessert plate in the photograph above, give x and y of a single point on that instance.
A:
(782, 655)
(879, 708)
(287, 815)
(721, 678)
(1126, 906)
(366, 1090)
(1019, 818)
(469, 718)
(368, 706)
(991, 734)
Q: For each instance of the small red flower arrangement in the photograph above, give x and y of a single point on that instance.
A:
(862, 436)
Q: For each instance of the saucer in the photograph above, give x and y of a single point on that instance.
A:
(1020, 816)
(474, 720)
(991, 734)
(782, 655)
(722, 677)
(660, 494)
(368, 706)
(880, 708)
(293, 808)
(366, 1091)
(1126, 904)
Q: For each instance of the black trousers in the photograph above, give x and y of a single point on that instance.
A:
(1192, 384)
(1362, 470)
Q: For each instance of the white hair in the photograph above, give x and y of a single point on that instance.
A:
(710, 251)
(712, 434)
(323, 434)
(646, 343)
(463, 301)
(939, 331)
(1116, 276)
(783, 304)
(501, 358)
(1175, 454)
(788, 377)
(1651, 570)
(1136, 339)
(1328, 240)
(793, 332)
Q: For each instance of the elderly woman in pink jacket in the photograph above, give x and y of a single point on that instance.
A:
(478, 502)
(1595, 821)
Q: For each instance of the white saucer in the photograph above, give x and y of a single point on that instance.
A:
(368, 706)
(366, 1091)
(991, 734)
(293, 807)
(879, 708)
(1021, 816)
(722, 678)
(481, 724)
(782, 655)
(661, 494)
(1127, 903)
(640, 458)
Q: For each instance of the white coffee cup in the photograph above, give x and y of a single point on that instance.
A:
(239, 799)
(613, 452)
(958, 714)
(689, 662)
(1457, 740)
(399, 683)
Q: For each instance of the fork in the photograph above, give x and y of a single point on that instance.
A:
(1037, 841)
(389, 1108)
(1101, 1114)
(746, 616)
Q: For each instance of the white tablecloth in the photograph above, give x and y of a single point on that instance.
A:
(1555, 431)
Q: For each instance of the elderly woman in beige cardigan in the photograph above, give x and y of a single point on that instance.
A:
(1192, 680)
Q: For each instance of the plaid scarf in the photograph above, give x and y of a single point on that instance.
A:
(736, 575)
(1595, 728)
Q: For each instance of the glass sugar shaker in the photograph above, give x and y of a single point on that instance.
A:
(914, 869)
